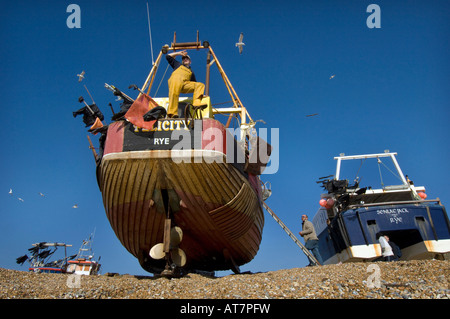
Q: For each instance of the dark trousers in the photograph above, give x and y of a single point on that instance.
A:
(313, 246)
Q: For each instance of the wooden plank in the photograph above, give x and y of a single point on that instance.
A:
(115, 194)
(130, 205)
(224, 192)
(135, 214)
(141, 209)
(122, 213)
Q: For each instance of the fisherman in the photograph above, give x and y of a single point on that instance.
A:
(386, 249)
(395, 249)
(311, 241)
(182, 80)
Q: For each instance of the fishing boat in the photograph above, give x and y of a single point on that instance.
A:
(184, 194)
(352, 217)
(41, 255)
(83, 263)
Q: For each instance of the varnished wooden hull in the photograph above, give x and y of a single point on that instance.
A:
(216, 204)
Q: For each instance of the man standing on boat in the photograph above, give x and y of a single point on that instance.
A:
(182, 80)
(311, 241)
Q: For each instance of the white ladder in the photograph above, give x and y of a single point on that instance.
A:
(295, 239)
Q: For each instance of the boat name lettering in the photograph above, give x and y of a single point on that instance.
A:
(161, 140)
(395, 219)
(166, 126)
(392, 211)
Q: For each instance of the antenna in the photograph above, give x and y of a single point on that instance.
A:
(150, 33)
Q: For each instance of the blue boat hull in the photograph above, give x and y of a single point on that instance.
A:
(421, 231)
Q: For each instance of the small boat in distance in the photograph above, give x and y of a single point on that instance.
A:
(351, 217)
(40, 260)
(83, 263)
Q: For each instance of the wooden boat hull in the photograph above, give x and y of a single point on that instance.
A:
(216, 204)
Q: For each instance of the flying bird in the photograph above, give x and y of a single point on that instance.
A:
(240, 44)
(80, 76)
(20, 199)
(75, 206)
(332, 76)
(309, 115)
(10, 191)
(41, 194)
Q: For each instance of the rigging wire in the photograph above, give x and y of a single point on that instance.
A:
(393, 173)
(357, 173)
(150, 34)
(379, 170)
(157, 89)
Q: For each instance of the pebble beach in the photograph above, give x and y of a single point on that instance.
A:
(426, 279)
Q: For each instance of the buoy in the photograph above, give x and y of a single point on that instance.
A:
(330, 203)
(323, 202)
(422, 195)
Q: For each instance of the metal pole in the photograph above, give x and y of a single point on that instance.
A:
(208, 66)
(92, 148)
(338, 168)
(234, 95)
(398, 169)
(151, 75)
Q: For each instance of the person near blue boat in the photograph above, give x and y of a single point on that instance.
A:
(386, 249)
(311, 241)
(395, 249)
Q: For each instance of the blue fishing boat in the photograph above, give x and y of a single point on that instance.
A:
(352, 217)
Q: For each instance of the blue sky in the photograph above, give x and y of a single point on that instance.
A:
(390, 91)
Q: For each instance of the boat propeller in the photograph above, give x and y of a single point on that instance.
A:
(176, 254)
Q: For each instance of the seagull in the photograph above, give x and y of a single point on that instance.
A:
(80, 76)
(240, 44)
(41, 194)
(75, 206)
(10, 191)
(332, 76)
(312, 114)
(20, 199)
